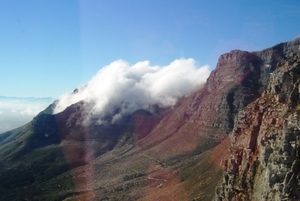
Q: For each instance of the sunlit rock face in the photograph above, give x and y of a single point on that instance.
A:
(263, 163)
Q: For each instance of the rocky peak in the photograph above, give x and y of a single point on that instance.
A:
(228, 67)
(207, 115)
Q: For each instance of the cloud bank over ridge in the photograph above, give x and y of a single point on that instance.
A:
(129, 88)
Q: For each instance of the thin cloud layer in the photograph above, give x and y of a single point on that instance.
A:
(15, 112)
(128, 88)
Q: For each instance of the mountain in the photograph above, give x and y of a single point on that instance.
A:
(238, 133)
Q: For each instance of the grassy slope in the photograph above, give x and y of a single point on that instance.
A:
(123, 173)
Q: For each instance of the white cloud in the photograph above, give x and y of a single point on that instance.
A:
(129, 88)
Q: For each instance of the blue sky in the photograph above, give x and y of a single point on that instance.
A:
(48, 48)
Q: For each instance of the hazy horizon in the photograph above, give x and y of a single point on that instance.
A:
(17, 111)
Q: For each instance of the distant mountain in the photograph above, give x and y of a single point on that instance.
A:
(238, 133)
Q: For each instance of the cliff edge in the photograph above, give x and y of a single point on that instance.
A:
(263, 161)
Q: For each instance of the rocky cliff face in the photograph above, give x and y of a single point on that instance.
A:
(263, 161)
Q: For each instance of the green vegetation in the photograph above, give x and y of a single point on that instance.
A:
(34, 175)
(201, 178)
(35, 183)
(132, 176)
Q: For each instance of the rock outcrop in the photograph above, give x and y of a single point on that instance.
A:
(264, 161)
